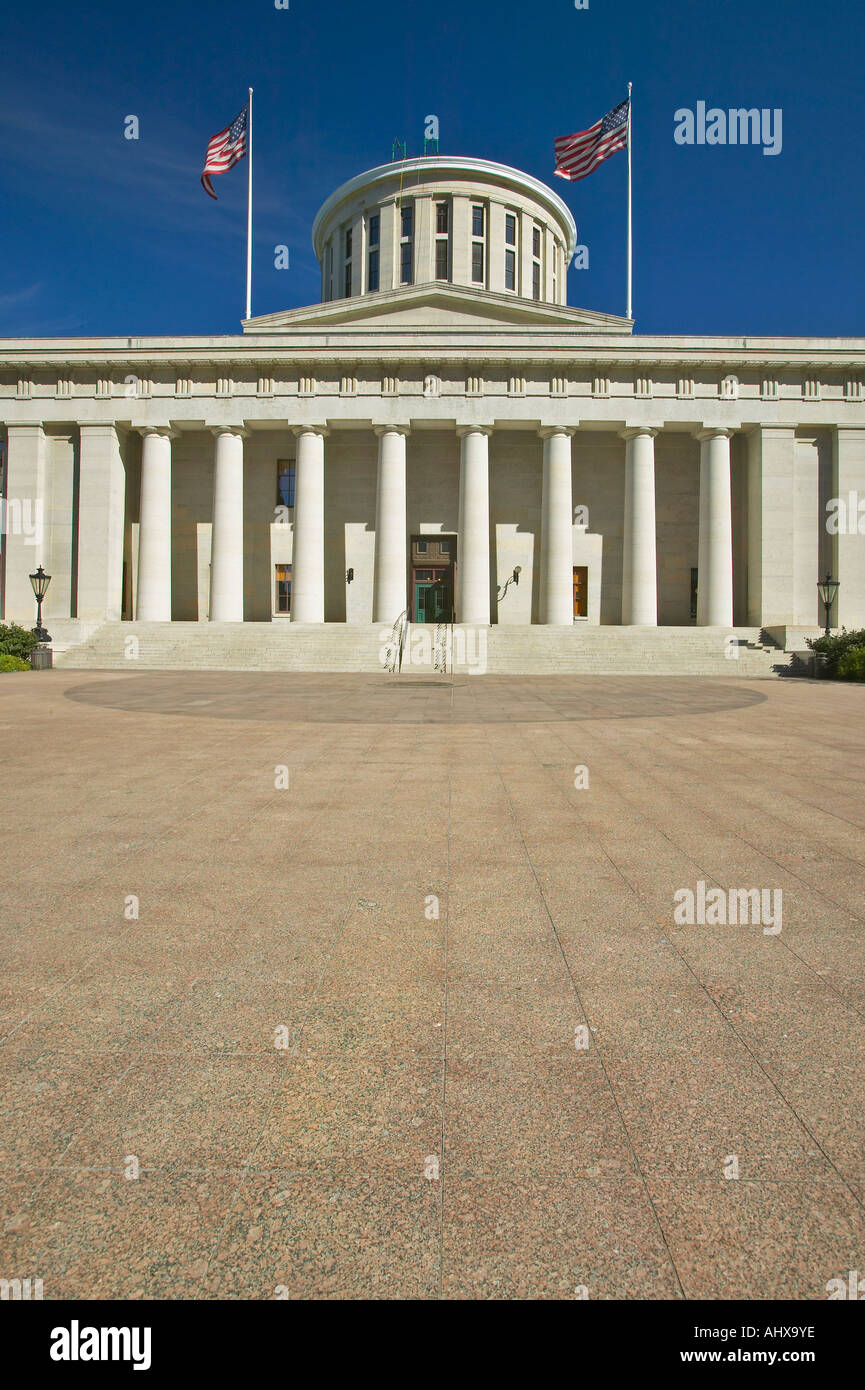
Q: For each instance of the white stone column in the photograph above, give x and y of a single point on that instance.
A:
(473, 553)
(101, 522)
(153, 598)
(25, 515)
(557, 534)
(226, 551)
(715, 554)
(639, 561)
(307, 556)
(849, 540)
(391, 553)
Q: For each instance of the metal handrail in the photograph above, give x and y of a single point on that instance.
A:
(393, 660)
(403, 636)
(440, 656)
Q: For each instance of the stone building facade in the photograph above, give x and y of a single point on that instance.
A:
(441, 435)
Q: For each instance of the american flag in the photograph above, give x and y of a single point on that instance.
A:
(578, 155)
(225, 149)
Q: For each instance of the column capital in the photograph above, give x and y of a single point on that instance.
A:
(547, 431)
(238, 430)
(298, 430)
(164, 431)
(714, 432)
(633, 431)
(392, 429)
(25, 425)
(463, 430)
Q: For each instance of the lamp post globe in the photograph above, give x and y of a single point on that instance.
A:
(827, 589)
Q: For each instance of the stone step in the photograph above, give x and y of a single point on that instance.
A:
(341, 647)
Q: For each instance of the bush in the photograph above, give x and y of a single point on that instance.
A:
(835, 646)
(12, 663)
(16, 641)
(851, 667)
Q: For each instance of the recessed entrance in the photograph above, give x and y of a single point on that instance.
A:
(431, 592)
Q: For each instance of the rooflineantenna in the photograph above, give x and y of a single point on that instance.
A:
(398, 152)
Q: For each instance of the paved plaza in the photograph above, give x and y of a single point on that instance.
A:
(372, 987)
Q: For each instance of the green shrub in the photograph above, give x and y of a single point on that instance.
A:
(851, 667)
(12, 663)
(835, 646)
(16, 641)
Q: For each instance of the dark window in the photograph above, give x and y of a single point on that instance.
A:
(477, 262)
(510, 270)
(285, 484)
(407, 219)
(536, 241)
(477, 220)
(536, 281)
(372, 278)
(510, 229)
(421, 547)
(441, 217)
(347, 288)
(445, 547)
(283, 588)
(348, 243)
(373, 229)
(441, 260)
(405, 263)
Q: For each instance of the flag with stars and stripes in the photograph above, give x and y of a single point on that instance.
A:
(578, 155)
(225, 149)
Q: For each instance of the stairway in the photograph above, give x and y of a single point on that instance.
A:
(229, 647)
(634, 651)
(504, 650)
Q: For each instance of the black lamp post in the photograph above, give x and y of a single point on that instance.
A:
(40, 581)
(827, 589)
(511, 579)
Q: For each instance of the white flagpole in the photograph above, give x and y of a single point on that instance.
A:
(629, 313)
(249, 211)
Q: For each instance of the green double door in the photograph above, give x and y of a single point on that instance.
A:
(433, 597)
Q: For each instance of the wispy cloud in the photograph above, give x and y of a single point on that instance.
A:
(9, 301)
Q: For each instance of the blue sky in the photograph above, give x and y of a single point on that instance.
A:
(102, 235)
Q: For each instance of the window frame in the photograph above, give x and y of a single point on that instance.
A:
(278, 581)
(286, 468)
(406, 243)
